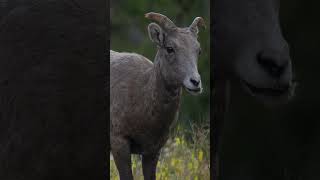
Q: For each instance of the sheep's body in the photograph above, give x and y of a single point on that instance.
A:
(141, 107)
(144, 96)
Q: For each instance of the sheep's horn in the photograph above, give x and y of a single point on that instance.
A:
(163, 20)
(197, 22)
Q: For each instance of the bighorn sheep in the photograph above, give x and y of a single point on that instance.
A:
(249, 51)
(145, 96)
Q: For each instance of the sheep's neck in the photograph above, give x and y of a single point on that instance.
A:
(165, 96)
(164, 90)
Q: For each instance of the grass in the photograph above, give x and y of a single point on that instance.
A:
(181, 158)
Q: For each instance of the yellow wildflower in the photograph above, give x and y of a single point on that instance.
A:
(200, 156)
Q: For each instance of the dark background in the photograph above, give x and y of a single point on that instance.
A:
(280, 142)
(52, 89)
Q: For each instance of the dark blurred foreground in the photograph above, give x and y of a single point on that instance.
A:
(52, 82)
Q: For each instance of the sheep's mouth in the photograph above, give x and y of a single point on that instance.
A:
(194, 91)
(268, 91)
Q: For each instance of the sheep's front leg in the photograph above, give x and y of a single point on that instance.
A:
(149, 165)
(120, 148)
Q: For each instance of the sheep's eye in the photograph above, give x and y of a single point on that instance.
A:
(170, 50)
(199, 51)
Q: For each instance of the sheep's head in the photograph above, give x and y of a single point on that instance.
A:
(178, 51)
(249, 45)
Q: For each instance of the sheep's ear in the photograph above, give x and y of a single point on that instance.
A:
(156, 34)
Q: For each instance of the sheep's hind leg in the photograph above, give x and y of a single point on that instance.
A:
(122, 157)
(149, 165)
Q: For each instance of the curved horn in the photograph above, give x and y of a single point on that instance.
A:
(163, 20)
(197, 22)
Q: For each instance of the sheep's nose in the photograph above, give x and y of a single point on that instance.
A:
(273, 62)
(195, 82)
